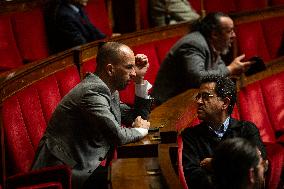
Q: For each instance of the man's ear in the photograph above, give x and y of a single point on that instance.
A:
(226, 103)
(110, 69)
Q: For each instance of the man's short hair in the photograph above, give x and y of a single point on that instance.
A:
(210, 23)
(232, 161)
(108, 52)
(225, 87)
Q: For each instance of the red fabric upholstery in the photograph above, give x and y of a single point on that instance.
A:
(225, 6)
(276, 2)
(247, 5)
(273, 30)
(144, 16)
(251, 40)
(9, 54)
(98, 15)
(127, 95)
(180, 167)
(50, 177)
(253, 108)
(196, 5)
(30, 34)
(89, 66)
(272, 90)
(163, 47)
(26, 113)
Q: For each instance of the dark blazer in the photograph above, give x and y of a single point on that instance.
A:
(199, 142)
(67, 28)
(185, 64)
(85, 127)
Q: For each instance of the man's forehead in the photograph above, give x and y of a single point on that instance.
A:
(210, 86)
(226, 22)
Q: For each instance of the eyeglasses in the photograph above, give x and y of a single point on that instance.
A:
(204, 96)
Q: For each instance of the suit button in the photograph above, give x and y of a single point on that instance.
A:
(101, 159)
(90, 171)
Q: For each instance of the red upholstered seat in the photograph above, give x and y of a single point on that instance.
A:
(251, 40)
(88, 66)
(276, 2)
(273, 30)
(196, 5)
(272, 90)
(144, 16)
(253, 108)
(247, 5)
(163, 47)
(9, 53)
(98, 15)
(26, 113)
(29, 30)
(225, 6)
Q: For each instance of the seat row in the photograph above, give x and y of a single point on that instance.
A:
(23, 35)
(206, 6)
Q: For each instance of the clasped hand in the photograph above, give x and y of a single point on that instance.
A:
(141, 67)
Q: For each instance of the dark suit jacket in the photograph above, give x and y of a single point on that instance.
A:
(185, 64)
(85, 127)
(67, 28)
(199, 142)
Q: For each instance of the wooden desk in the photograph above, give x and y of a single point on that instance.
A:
(147, 164)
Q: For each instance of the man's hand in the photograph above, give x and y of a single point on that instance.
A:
(238, 67)
(141, 123)
(141, 67)
(206, 164)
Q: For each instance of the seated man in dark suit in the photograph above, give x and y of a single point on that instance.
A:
(215, 102)
(68, 25)
(86, 126)
(237, 164)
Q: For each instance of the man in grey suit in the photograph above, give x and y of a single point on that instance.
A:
(196, 55)
(86, 125)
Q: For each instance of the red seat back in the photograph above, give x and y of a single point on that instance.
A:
(26, 113)
(144, 16)
(253, 108)
(29, 29)
(276, 2)
(273, 30)
(247, 5)
(196, 5)
(225, 6)
(9, 53)
(251, 40)
(273, 90)
(98, 15)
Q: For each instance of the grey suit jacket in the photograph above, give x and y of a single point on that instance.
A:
(85, 127)
(185, 64)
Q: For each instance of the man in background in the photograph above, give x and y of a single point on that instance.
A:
(68, 25)
(196, 55)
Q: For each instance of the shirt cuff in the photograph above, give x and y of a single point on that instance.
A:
(142, 131)
(141, 90)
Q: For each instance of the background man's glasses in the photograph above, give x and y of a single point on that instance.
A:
(203, 96)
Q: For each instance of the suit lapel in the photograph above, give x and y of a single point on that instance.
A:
(115, 109)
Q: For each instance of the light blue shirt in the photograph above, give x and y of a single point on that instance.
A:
(221, 131)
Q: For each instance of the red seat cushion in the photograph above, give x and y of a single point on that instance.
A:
(30, 34)
(98, 15)
(273, 30)
(9, 53)
(253, 108)
(251, 40)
